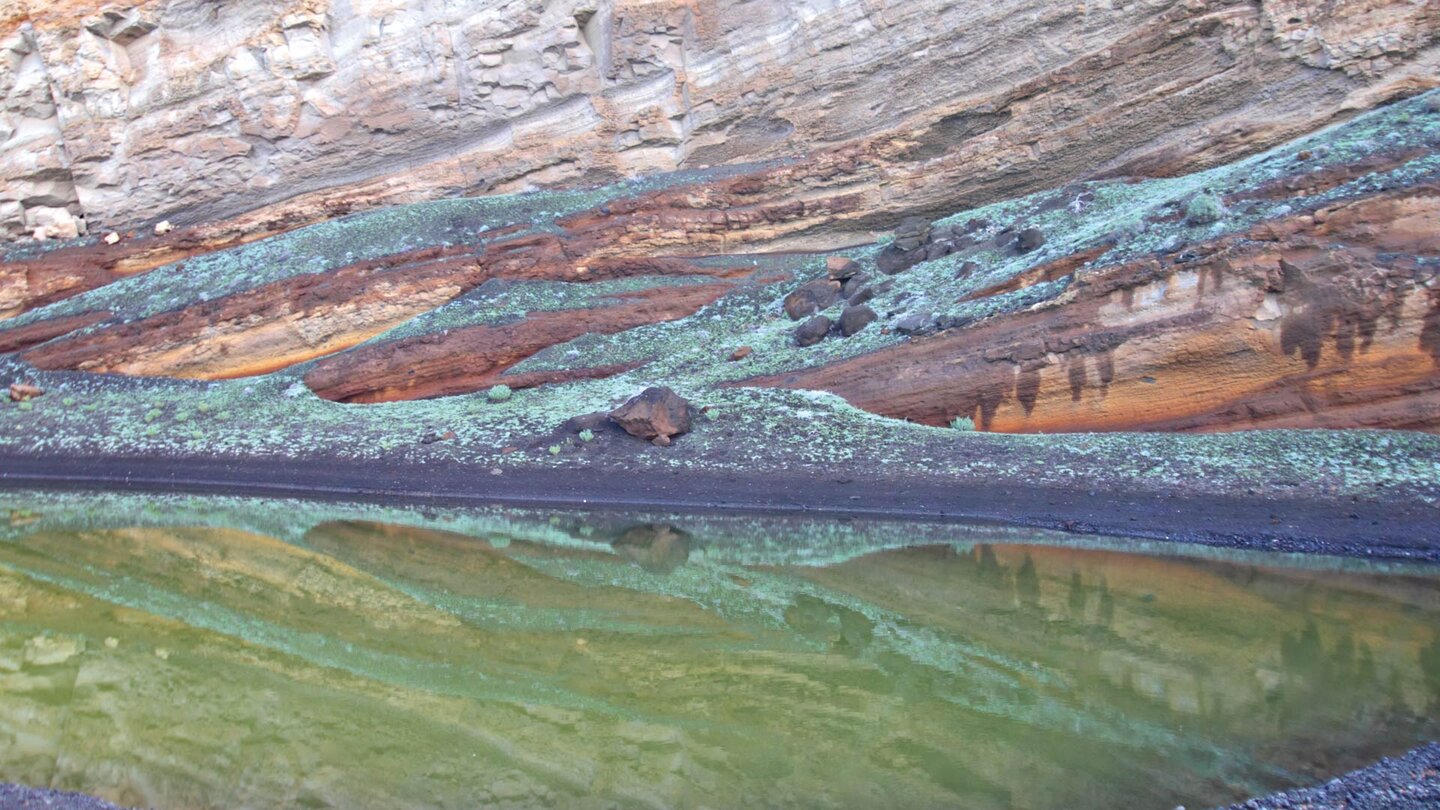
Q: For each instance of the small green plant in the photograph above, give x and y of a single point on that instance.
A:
(203, 407)
(498, 393)
(153, 414)
(182, 416)
(1204, 209)
(587, 435)
(68, 402)
(963, 423)
(26, 405)
(554, 449)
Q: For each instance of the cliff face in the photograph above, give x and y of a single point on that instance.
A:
(127, 113)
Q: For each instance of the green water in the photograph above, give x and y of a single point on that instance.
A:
(230, 653)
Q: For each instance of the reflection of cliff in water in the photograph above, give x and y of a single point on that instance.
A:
(379, 665)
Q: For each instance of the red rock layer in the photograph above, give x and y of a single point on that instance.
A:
(1327, 321)
(473, 358)
(300, 318)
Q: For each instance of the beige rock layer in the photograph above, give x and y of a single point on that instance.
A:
(125, 114)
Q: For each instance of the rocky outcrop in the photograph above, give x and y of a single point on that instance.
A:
(1323, 319)
(119, 115)
(303, 317)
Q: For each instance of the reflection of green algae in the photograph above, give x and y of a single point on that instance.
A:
(772, 430)
(356, 656)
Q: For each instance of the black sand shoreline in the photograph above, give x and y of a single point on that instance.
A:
(1405, 530)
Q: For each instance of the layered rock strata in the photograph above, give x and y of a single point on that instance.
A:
(1327, 319)
(121, 115)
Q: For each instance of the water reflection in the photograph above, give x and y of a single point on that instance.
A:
(233, 654)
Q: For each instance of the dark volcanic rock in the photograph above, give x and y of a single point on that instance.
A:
(841, 268)
(863, 296)
(1030, 239)
(852, 286)
(893, 260)
(912, 233)
(966, 269)
(914, 323)
(588, 421)
(811, 298)
(853, 319)
(653, 413)
(812, 331)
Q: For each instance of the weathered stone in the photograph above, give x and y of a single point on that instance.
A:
(812, 298)
(1030, 239)
(855, 318)
(587, 421)
(912, 233)
(853, 285)
(152, 134)
(913, 323)
(812, 331)
(53, 223)
(967, 269)
(653, 413)
(862, 296)
(841, 268)
(893, 260)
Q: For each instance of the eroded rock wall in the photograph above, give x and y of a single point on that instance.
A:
(123, 114)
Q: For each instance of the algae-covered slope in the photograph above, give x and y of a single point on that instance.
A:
(1294, 289)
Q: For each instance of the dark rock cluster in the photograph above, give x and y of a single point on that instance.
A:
(843, 281)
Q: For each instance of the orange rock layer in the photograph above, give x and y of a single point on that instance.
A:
(461, 361)
(1327, 320)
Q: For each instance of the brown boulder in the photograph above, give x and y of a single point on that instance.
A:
(812, 331)
(853, 319)
(654, 413)
(841, 268)
(811, 298)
